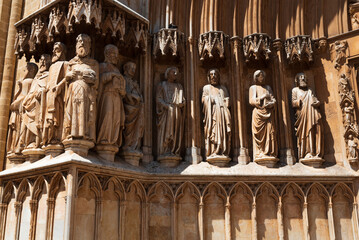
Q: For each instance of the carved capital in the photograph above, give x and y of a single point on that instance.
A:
(257, 46)
(354, 15)
(168, 42)
(211, 45)
(299, 49)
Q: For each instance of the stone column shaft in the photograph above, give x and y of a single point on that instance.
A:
(70, 203)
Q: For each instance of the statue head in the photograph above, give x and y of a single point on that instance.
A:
(129, 69)
(301, 80)
(58, 52)
(44, 62)
(171, 74)
(259, 77)
(213, 76)
(30, 70)
(111, 54)
(83, 45)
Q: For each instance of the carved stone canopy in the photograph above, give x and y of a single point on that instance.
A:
(257, 46)
(168, 42)
(61, 18)
(299, 49)
(211, 45)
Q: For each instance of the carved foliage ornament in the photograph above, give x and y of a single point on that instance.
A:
(168, 42)
(257, 46)
(212, 44)
(299, 49)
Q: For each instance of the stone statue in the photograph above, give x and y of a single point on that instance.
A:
(217, 120)
(352, 151)
(54, 111)
(170, 110)
(82, 75)
(263, 124)
(111, 113)
(22, 89)
(309, 128)
(34, 106)
(134, 123)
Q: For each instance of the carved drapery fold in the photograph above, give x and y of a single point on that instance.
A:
(257, 46)
(299, 49)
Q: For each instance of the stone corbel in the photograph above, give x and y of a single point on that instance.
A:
(257, 46)
(39, 31)
(354, 15)
(57, 21)
(168, 42)
(137, 35)
(299, 49)
(90, 11)
(114, 22)
(211, 45)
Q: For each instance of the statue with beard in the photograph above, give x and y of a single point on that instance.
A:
(54, 110)
(111, 115)
(134, 123)
(22, 89)
(82, 76)
(33, 109)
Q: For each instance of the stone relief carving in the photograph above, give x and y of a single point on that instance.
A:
(299, 49)
(170, 108)
(111, 113)
(82, 75)
(212, 44)
(354, 15)
(217, 120)
(33, 112)
(168, 42)
(308, 124)
(54, 108)
(134, 123)
(263, 123)
(23, 87)
(257, 46)
(347, 103)
(340, 49)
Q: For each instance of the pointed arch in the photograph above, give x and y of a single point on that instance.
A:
(118, 187)
(194, 191)
(137, 187)
(294, 186)
(55, 184)
(9, 191)
(266, 186)
(23, 188)
(218, 188)
(346, 190)
(38, 188)
(154, 190)
(243, 188)
(93, 184)
(316, 186)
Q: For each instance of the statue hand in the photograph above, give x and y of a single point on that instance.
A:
(12, 107)
(70, 75)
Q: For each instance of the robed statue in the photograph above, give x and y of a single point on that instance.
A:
(170, 103)
(263, 123)
(217, 120)
(308, 124)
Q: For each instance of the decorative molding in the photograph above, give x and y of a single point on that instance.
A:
(299, 49)
(257, 46)
(168, 42)
(211, 45)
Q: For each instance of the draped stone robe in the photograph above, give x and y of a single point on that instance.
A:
(217, 120)
(80, 100)
(111, 113)
(263, 124)
(134, 111)
(33, 112)
(54, 112)
(308, 124)
(170, 117)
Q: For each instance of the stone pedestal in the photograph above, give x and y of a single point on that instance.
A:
(313, 161)
(132, 157)
(218, 160)
(78, 146)
(267, 161)
(16, 158)
(169, 160)
(53, 149)
(32, 155)
(107, 152)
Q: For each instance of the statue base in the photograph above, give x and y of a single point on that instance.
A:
(79, 146)
(16, 158)
(169, 160)
(132, 158)
(218, 160)
(353, 160)
(53, 149)
(267, 161)
(107, 151)
(32, 155)
(313, 161)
